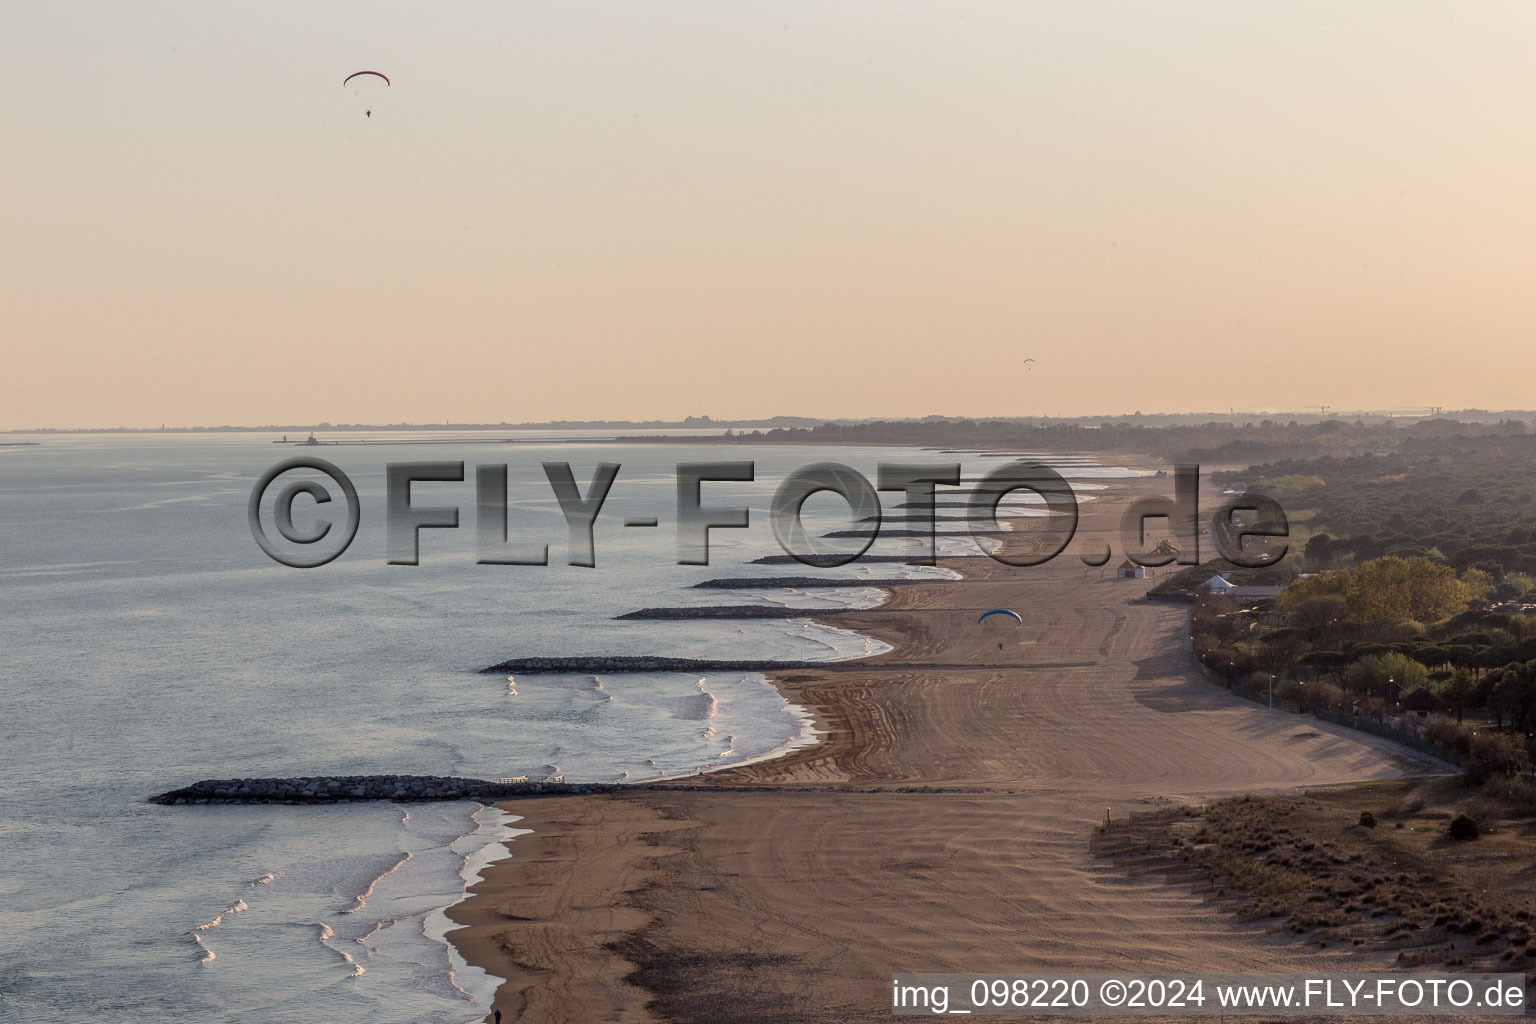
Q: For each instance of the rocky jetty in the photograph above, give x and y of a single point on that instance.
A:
(331, 789)
(924, 519)
(646, 663)
(733, 611)
(923, 534)
(792, 560)
(800, 582)
(936, 504)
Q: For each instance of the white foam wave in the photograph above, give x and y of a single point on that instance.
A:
(386, 922)
(700, 707)
(362, 898)
(325, 935)
(378, 926)
(234, 908)
(494, 825)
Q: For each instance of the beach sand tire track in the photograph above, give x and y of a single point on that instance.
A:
(824, 892)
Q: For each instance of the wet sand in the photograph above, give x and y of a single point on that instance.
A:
(798, 905)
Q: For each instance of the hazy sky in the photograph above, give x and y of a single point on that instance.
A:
(628, 210)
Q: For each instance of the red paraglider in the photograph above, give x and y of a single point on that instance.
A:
(375, 74)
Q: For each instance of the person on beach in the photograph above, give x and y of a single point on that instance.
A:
(498, 1016)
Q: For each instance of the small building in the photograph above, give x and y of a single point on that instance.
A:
(1129, 570)
(1254, 593)
(1216, 586)
(1220, 586)
(1388, 693)
(1421, 702)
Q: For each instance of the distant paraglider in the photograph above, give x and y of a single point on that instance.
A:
(375, 74)
(1001, 611)
(1029, 364)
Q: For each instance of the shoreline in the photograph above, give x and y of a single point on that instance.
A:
(608, 890)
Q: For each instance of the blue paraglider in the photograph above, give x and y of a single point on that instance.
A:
(1002, 611)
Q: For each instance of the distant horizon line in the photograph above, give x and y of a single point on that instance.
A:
(770, 422)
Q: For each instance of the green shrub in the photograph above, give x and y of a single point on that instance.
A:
(1374, 670)
(1367, 819)
(1313, 695)
(1449, 735)
(1493, 755)
(1516, 795)
(1463, 828)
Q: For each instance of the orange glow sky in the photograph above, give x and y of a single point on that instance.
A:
(574, 210)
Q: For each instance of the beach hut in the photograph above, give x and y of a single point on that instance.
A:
(1129, 570)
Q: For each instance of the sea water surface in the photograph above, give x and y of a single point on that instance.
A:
(148, 643)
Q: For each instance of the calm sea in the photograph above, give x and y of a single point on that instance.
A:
(147, 642)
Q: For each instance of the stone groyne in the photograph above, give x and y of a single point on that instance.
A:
(733, 611)
(812, 561)
(801, 582)
(916, 534)
(936, 504)
(338, 789)
(617, 663)
(934, 518)
(646, 663)
(331, 789)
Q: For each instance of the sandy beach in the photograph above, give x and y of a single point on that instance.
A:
(662, 904)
